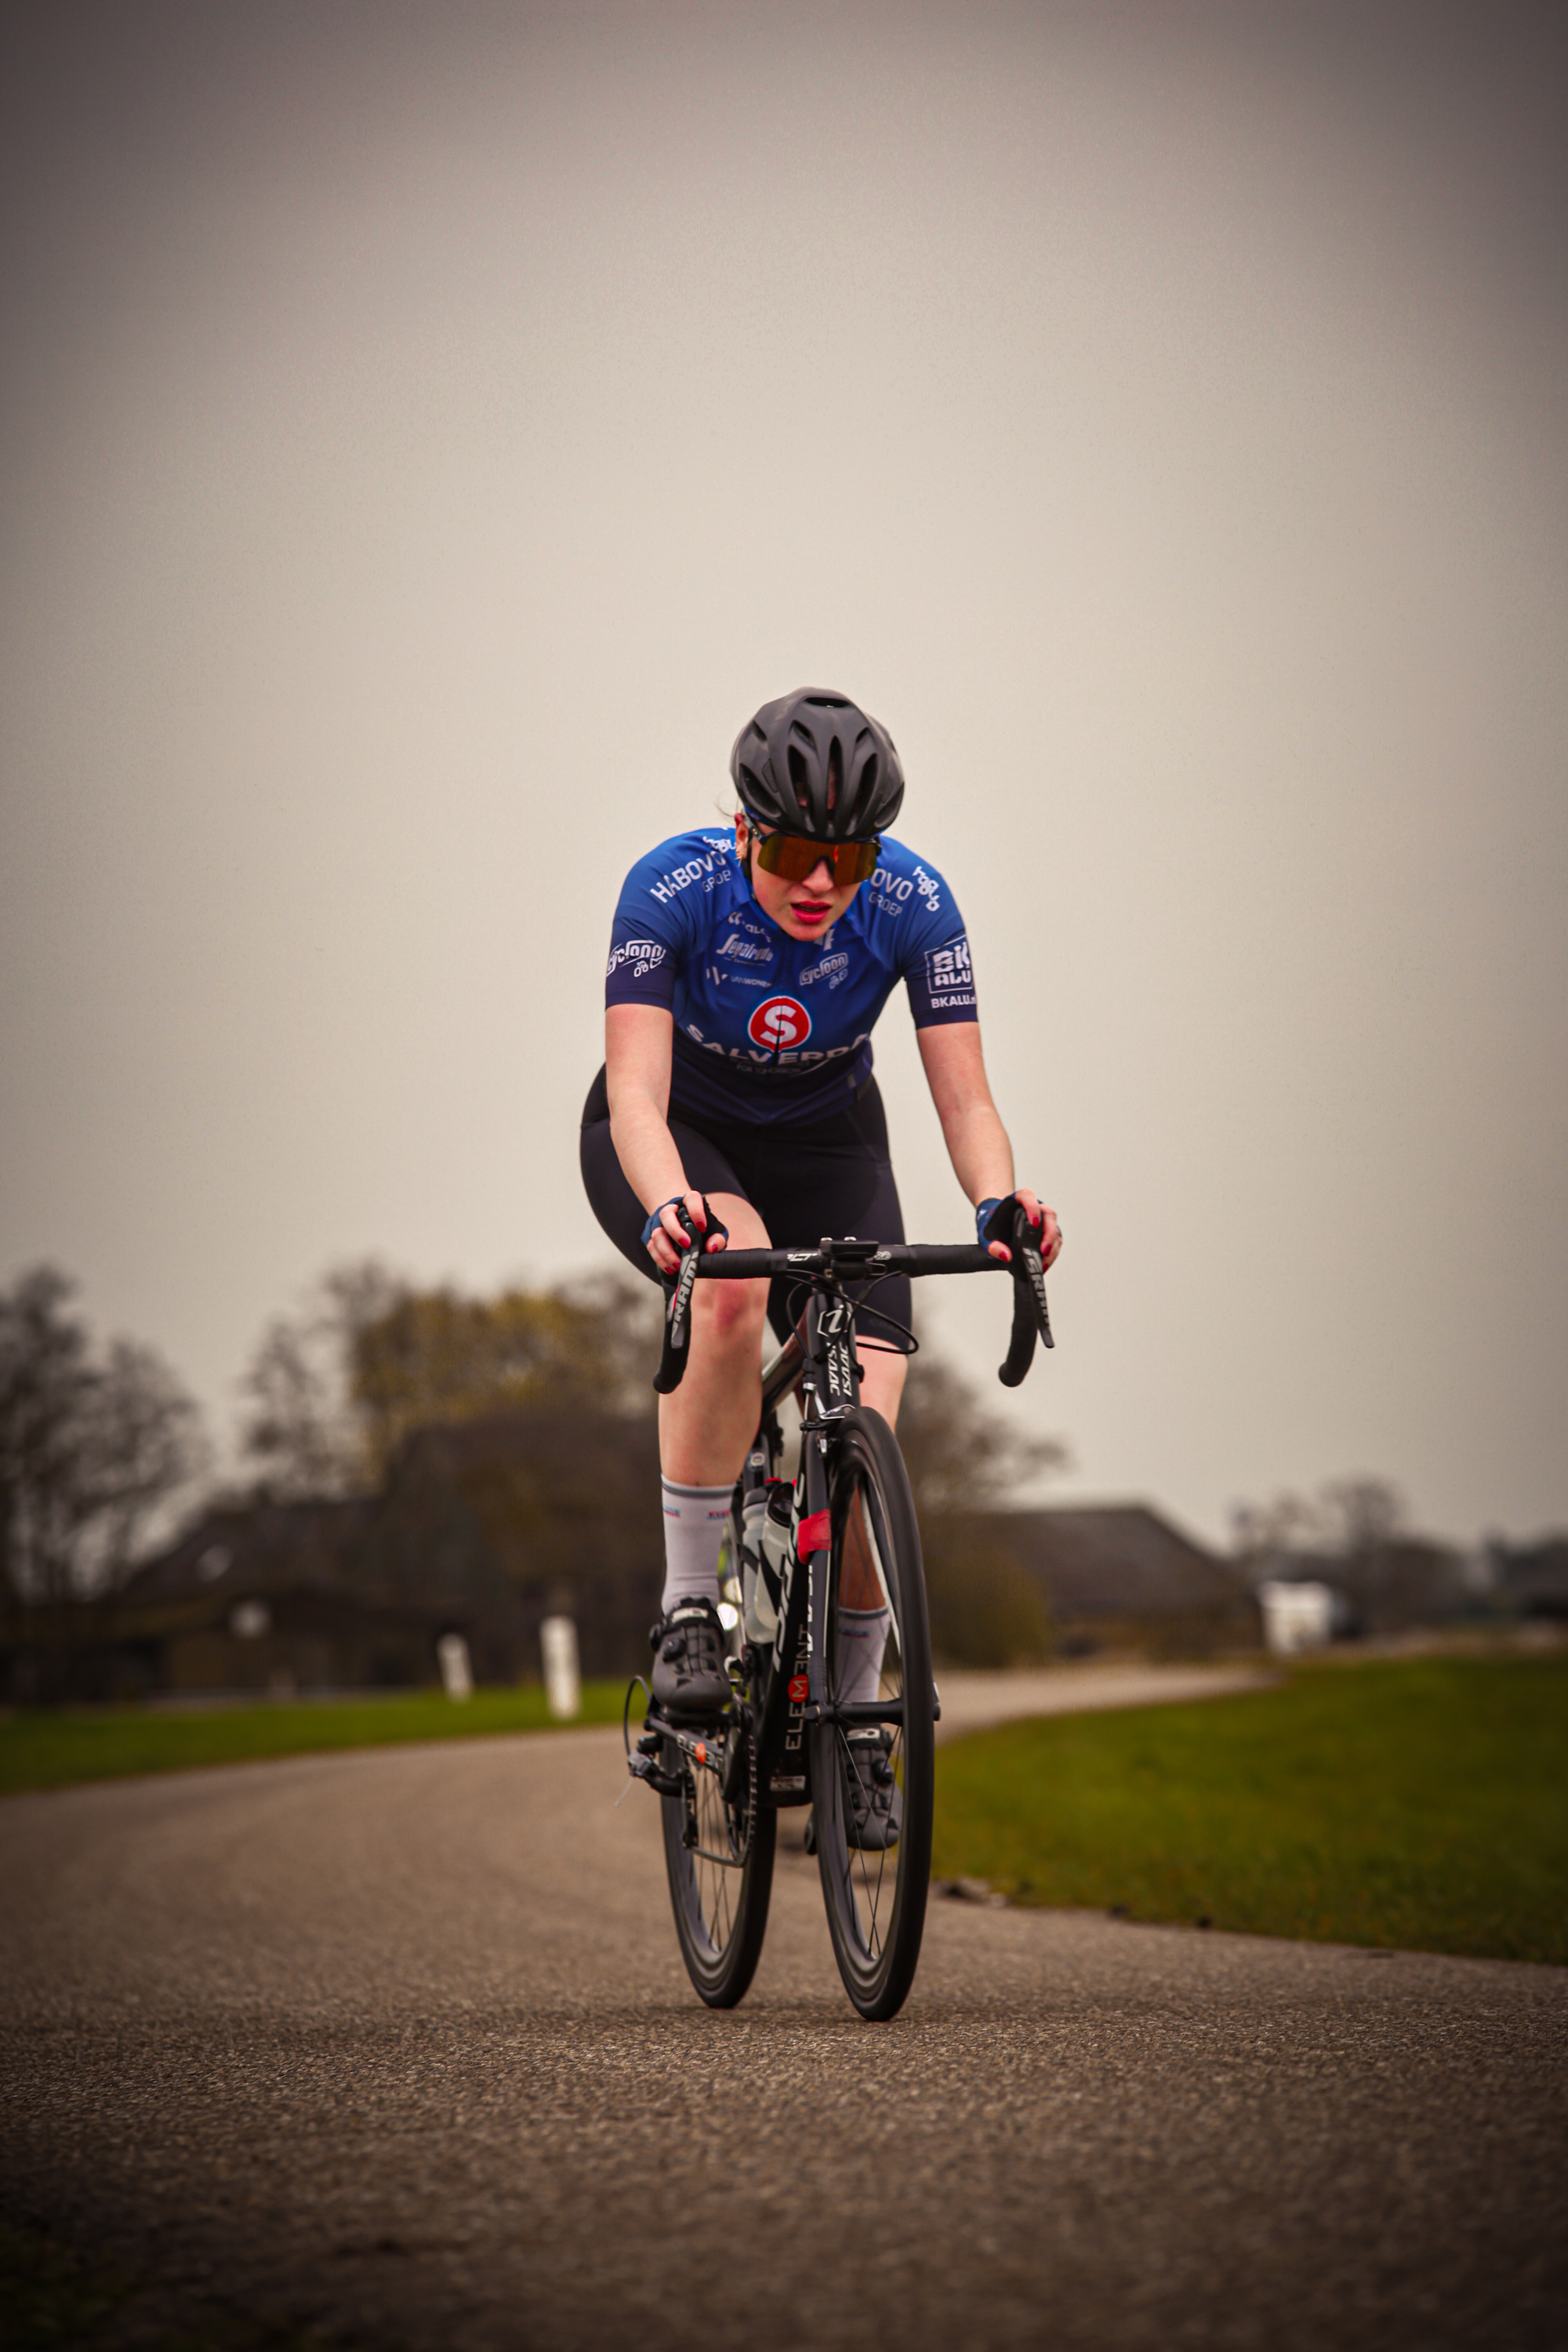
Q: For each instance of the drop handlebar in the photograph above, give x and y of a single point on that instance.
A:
(856, 1261)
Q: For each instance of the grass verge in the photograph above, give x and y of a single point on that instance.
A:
(45, 1748)
(1422, 1804)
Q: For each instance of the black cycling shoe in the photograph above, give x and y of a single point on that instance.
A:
(873, 1800)
(689, 1677)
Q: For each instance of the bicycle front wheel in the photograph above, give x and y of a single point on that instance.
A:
(872, 1806)
(719, 1857)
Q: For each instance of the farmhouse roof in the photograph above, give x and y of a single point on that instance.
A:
(1120, 1560)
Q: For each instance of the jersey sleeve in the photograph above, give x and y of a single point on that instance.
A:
(647, 944)
(937, 967)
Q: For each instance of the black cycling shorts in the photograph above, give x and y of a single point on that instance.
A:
(831, 1177)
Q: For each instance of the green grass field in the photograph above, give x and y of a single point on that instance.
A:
(49, 1749)
(1422, 1804)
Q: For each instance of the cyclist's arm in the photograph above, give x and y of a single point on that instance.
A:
(639, 1045)
(971, 1128)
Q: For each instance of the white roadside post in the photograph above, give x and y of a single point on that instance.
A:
(562, 1682)
(457, 1670)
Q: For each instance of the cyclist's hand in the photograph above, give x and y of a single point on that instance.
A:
(1044, 1219)
(668, 1242)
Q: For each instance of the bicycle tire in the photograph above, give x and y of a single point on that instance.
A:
(720, 1885)
(877, 1901)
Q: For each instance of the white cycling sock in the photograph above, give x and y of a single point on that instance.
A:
(694, 1520)
(862, 1638)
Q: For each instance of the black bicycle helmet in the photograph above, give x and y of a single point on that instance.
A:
(813, 763)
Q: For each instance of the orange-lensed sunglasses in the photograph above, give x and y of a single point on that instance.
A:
(794, 856)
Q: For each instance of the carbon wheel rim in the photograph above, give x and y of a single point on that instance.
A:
(876, 1897)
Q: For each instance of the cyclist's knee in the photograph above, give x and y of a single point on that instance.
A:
(730, 1313)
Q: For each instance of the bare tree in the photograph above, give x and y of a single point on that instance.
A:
(1363, 1515)
(337, 1388)
(92, 1447)
(303, 1429)
(1351, 1519)
(961, 1457)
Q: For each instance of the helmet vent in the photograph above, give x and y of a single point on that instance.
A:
(835, 773)
(799, 776)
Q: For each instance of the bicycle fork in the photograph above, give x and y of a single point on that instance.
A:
(798, 1688)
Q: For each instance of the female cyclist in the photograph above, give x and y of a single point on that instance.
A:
(746, 974)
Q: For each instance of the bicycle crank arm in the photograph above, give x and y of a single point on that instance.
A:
(703, 1747)
(860, 1710)
(711, 1750)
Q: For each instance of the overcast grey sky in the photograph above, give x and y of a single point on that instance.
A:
(428, 432)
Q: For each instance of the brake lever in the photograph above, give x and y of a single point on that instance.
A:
(1031, 1315)
(678, 1299)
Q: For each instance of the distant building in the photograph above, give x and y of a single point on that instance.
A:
(482, 1529)
(1531, 1579)
(1119, 1574)
(273, 1597)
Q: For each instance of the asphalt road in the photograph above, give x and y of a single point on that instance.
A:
(398, 2044)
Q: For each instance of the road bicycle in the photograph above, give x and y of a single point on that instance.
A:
(790, 1734)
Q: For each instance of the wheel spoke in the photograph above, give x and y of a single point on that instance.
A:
(719, 1860)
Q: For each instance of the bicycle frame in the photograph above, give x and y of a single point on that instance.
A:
(821, 1355)
(826, 1364)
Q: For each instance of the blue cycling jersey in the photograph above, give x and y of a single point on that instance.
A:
(768, 1027)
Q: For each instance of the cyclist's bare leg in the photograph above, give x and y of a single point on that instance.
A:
(882, 1381)
(706, 1425)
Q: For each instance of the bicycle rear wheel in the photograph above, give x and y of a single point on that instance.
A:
(876, 1899)
(718, 1858)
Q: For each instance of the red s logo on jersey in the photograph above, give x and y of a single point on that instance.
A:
(779, 1024)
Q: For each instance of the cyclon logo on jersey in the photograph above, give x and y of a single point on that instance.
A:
(824, 970)
(705, 870)
(642, 955)
(781, 1022)
(736, 946)
(930, 889)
